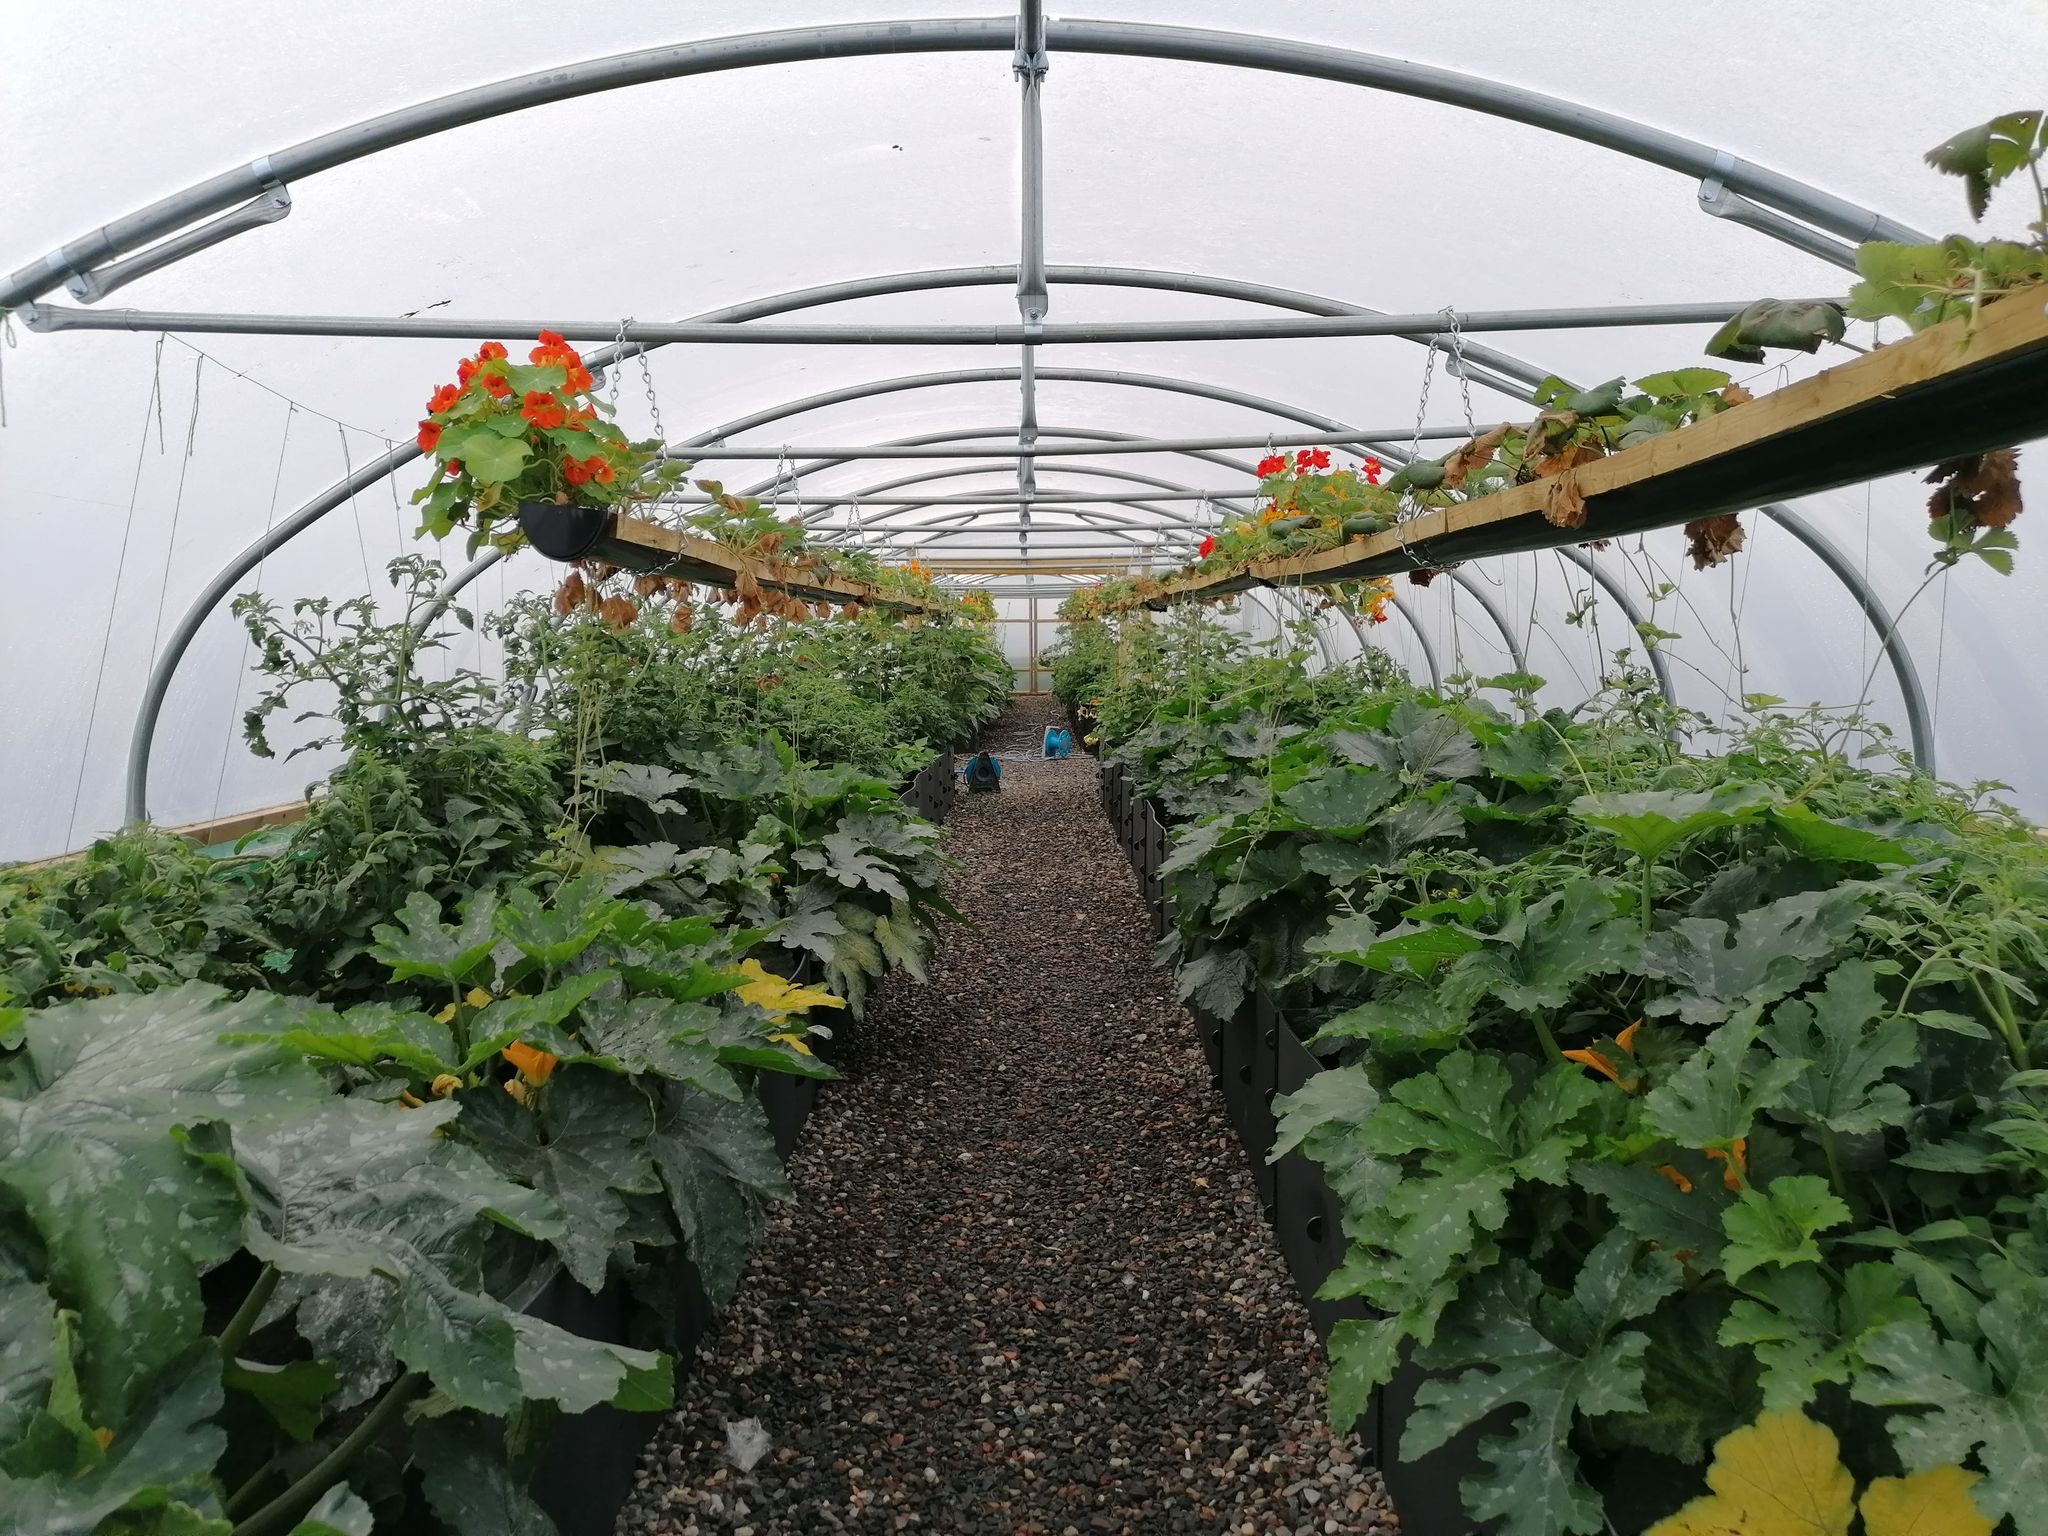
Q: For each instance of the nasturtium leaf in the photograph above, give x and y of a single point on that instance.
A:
(1781, 1476)
(489, 457)
(1776, 1224)
(468, 1479)
(162, 1453)
(584, 1148)
(420, 944)
(1560, 1361)
(340, 1511)
(1659, 1210)
(1804, 1332)
(1769, 953)
(718, 1162)
(1683, 381)
(555, 933)
(1544, 953)
(1993, 1405)
(125, 1212)
(1713, 1099)
(1216, 981)
(1650, 822)
(1340, 799)
(1850, 1040)
(291, 1394)
(1933, 1502)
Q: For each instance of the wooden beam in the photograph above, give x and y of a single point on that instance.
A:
(637, 544)
(1958, 388)
(202, 834)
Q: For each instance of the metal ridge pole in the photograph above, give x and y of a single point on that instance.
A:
(325, 151)
(936, 447)
(49, 318)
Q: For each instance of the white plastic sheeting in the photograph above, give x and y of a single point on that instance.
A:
(671, 199)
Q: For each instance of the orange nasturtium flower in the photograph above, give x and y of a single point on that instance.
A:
(490, 351)
(444, 397)
(430, 434)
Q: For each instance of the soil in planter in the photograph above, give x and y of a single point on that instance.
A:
(1028, 1288)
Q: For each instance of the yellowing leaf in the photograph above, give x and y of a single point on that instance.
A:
(447, 1015)
(1935, 1502)
(477, 997)
(794, 1041)
(777, 996)
(1780, 1476)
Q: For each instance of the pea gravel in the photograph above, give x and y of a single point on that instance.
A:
(1027, 1288)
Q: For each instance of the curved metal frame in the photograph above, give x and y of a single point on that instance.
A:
(1636, 617)
(172, 653)
(1608, 130)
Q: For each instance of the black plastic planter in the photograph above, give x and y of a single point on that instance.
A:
(587, 1471)
(1247, 1074)
(1308, 1218)
(563, 533)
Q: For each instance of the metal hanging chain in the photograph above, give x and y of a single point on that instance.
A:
(1458, 366)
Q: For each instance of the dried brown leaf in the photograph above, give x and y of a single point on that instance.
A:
(1564, 504)
(1735, 394)
(1475, 455)
(1985, 487)
(1712, 540)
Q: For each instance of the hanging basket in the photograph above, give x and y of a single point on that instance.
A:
(563, 532)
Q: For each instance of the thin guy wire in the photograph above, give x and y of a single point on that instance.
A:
(113, 604)
(177, 507)
(242, 666)
(348, 474)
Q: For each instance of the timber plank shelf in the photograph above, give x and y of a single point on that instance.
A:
(1952, 390)
(641, 545)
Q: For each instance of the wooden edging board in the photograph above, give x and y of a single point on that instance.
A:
(1962, 387)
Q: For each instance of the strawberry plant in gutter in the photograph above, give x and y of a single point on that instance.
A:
(1664, 1093)
(293, 1135)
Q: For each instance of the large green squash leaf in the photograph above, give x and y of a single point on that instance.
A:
(420, 944)
(1651, 822)
(161, 1456)
(1714, 1097)
(1561, 1360)
(126, 1213)
(1340, 799)
(1541, 955)
(468, 1481)
(1769, 953)
(718, 1162)
(1805, 1331)
(1850, 1039)
(584, 1148)
(1993, 1405)
(356, 1191)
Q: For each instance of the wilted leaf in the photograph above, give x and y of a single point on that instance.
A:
(1780, 1476)
(1564, 502)
(1711, 540)
(1798, 325)
(1981, 490)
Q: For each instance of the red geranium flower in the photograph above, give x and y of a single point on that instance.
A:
(542, 409)
(1318, 458)
(1208, 546)
(430, 434)
(444, 397)
(1272, 464)
(490, 350)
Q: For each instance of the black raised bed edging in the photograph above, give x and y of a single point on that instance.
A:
(587, 1471)
(1252, 1058)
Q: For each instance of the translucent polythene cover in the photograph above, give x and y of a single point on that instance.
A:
(131, 471)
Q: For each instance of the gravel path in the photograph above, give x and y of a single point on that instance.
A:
(1027, 1289)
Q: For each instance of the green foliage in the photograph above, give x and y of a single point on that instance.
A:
(1665, 1089)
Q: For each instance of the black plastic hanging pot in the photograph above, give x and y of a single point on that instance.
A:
(563, 532)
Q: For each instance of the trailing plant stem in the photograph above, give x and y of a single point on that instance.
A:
(243, 1323)
(281, 1511)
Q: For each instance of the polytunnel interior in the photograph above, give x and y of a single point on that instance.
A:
(1461, 1012)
